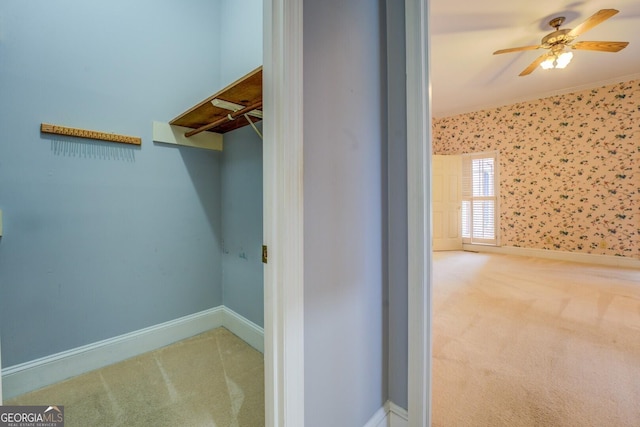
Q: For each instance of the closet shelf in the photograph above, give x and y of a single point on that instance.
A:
(230, 108)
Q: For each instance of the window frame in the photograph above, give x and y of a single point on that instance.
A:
(468, 199)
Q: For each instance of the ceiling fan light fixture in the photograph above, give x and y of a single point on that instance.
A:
(559, 39)
(557, 60)
(547, 64)
(563, 59)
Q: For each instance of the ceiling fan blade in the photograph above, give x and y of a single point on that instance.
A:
(595, 19)
(534, 65)
(600, 46)
(516, 49)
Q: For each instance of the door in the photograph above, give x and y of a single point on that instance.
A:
(447, 200)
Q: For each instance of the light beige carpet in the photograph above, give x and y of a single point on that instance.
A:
(214, 379)
(531, 342)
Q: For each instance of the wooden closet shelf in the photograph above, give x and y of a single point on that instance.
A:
(244, 92)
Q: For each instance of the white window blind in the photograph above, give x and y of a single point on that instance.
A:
(479, 198)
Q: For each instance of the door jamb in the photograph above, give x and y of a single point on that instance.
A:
(419, 211)
(283, 213)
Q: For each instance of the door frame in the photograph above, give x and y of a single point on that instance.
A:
(419, 211)
(283, 213)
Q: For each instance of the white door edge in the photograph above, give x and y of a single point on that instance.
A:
(419, 211)
(283, 213)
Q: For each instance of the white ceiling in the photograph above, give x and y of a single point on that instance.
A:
(466, 76)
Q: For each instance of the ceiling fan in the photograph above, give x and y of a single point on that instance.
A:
(557, 41)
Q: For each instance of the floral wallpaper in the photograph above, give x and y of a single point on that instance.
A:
(569, 168)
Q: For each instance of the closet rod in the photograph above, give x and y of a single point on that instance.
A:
(229, 116)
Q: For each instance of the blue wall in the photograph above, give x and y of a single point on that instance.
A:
(345, 280)
(242, 270)
(241, 34)
(101, 239)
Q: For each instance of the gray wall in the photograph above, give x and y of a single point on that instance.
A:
(344, 202)
(397, 181)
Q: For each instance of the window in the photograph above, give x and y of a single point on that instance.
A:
(480, 198)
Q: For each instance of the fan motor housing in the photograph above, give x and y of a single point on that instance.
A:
(555, 38)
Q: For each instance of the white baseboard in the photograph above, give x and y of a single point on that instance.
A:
(379, 419)
(248, 331)
(398, 417)
(606, 260)
(390, 415)
(29, 376)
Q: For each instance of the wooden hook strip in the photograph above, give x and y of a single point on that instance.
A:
(91, 134)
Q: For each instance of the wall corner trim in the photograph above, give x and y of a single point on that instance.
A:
(379, 419)
(398, 417)
(248, 331)
(390, 415)
(35, 374)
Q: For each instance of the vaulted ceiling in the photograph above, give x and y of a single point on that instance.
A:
(466, 76)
